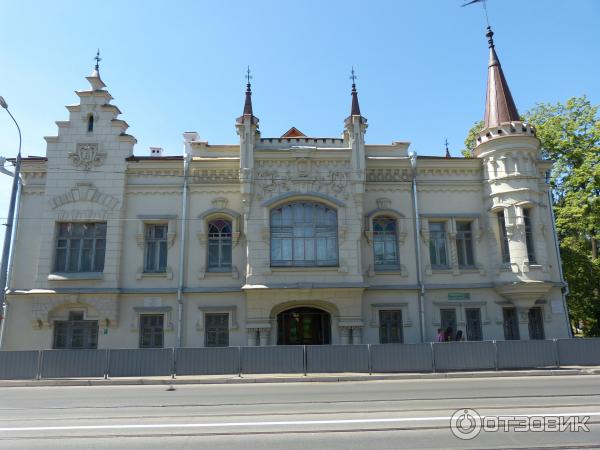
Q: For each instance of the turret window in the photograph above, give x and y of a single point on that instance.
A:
(529, 236)
(504, 248)
(90, 125)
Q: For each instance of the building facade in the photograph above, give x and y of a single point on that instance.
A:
(284, 240)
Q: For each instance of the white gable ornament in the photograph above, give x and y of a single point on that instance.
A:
(87, 156)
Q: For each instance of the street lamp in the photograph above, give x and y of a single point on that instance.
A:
(8, 237)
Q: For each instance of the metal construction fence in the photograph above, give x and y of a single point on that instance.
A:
(300, 359)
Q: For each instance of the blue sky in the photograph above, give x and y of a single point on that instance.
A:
(175, 66)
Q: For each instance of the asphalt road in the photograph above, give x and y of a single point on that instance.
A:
(406, 414)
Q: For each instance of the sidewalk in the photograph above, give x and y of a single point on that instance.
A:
(294, 378)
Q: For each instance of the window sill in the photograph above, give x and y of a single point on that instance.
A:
(167, 275)
(74, 276)
(305, 269)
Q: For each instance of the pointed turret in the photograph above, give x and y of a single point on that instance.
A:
(248, 102)
(499, 105)
(94, 79)
(355, 107)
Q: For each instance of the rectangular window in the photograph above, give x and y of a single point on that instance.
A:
(511, 324)
(536, 323)
(75, 333)
(216, 327)
(390, 327)
(152, 330)
(473, 324)
(155, 260)
(464, 244)
(437, 245)
(529, 236)
(448, 322)
(504, 248)
(80, 247)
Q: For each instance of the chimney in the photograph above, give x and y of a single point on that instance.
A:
(156, 151)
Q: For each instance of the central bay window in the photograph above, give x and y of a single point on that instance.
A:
(219, 246)
(437, 245)
(385, 243)
(529, 236)
(464, 245)
(505, 251)
(304, 234)
(155, 258)
(80, 247)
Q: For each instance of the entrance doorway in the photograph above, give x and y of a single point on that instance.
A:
(304, 326)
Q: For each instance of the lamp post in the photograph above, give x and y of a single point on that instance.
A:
(8, 237)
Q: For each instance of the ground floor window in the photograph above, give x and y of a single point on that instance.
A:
(536, 323)
(152, 330)
(216, 332)
(390, 326)
(511, 324)
(75, 332)
(474, 324)
(303, 326)
(448, 322)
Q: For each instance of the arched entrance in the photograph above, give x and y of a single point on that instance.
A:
(303, 326)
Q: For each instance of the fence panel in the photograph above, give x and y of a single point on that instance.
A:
(401, 358)
(18, 365)
(337, 358)
(579, 352)
(525, 354)
(73, 363)
(273, 359)
(140, 362)
(207, 361)
(464, 355)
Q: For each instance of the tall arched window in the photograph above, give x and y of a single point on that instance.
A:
(385, 243)
(219, 246)
(304, 234)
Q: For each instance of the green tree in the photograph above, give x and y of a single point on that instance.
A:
(570, 136)
(471, 140)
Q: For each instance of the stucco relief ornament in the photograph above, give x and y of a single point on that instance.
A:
(87, 156)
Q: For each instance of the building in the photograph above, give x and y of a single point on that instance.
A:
(282, 240)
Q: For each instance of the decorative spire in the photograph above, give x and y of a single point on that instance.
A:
(248, 101)
(94, 79)
(355, 109)
(499, 105)
(447, 150)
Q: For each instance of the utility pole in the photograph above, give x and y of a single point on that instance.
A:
(8, 237)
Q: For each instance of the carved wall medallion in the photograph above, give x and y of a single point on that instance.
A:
(87, 156)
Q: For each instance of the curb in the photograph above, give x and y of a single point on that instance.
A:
(293, 379)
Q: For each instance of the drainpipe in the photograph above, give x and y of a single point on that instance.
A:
(187, 156)
(565, 290)
(417, 222)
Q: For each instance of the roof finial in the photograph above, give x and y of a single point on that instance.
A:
(447, 150)
(98, 59)
(490, 36)
(355, 108)
(248, 78)
(353, 77)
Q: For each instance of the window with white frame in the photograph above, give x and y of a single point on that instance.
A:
(155, 257)
(437, 245)
(75, 332)
(385, 243)
(464, 244)
(80, 247)
(504, 248)
(304, 234)
(219, 246)
(529, 235)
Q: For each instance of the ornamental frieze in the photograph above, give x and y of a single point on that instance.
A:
(87, 156)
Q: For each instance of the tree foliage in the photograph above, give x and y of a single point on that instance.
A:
(570, 136)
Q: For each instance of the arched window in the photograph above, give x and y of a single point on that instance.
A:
(219, 246)
(385, 243)
(304, 234)
(90, 123)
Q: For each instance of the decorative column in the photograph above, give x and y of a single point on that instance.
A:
(345, 335)
(252, 341)
(357, 335)
(264, 334)
(523, 314)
